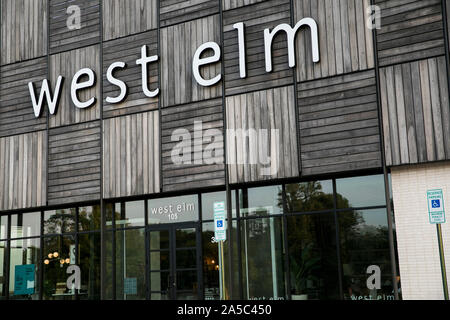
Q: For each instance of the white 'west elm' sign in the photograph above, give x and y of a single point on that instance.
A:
(198, 62)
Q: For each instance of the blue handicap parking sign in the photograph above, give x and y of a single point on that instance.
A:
(219, 223)
(436, 203)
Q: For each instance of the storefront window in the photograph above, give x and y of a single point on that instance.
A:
(89, 218)
(262, 259)
(210, 263)
(3, 227)
(309, 196)
(130, 264)
(60, 221)
(26, 225)
(173, 210)
(59, 254)
(360, 192)
(2, 268)
(260, 202)
(313, 257)
(133, 215)
(109, 293)
(89, 246)
(365, 255)
(24, 269)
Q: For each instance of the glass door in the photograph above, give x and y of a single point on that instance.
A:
(174, 262)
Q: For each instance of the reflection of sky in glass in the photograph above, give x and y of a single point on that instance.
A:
(135, 214)
(3, 224)
(362, 191)
(374, 217)
(29, 227)
(264, 197)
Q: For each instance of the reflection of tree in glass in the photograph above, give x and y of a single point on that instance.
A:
(312, 239)
(61, 221)
(89, 218)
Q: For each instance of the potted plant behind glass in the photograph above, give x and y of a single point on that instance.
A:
(303, 272)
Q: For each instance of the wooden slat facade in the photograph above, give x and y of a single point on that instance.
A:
(233, 4)
(23, 30)
(131, 155)
(416, 112)
(410, 30)
(67, 64)
(203, 168)
(346, 44)
(273, 152)
(178, 11)
(23, 171)
(256, 18)
(178, 46)
(63, 38)
(128, 50)
(16, 110)
(338, 121)
(122, 18)
(74, 158)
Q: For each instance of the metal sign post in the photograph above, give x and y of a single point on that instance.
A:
(220, 235)
(436, 215)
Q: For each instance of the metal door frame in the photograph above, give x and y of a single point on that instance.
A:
(171, 228)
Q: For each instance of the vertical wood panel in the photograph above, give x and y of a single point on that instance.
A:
(345, 41)
(246, 153)
(131, 155)
(24, 30)
(180, 43)
(22, 165)
(123, 18)
(415, 107)
(67, 64)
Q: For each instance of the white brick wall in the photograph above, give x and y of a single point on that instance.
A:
(416, 238)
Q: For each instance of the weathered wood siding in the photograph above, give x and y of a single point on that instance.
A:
(63, 36)
(346, 44)
(233, 4)
(271, 153)
(178, 11)
(23, 171)
(203, 168)
(122, 18)
(339, 127)
(410, 30)
(416, 112)
(23, 30)
(74, 155)
(131, 155)
(67, 64)
(178, 46)
(128, 50)
(16, 109)
(256, 18)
